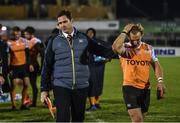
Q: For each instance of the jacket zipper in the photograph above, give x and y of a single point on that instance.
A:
(73, 65)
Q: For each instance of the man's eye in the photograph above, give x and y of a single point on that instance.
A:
(62, 22)
(58, 23)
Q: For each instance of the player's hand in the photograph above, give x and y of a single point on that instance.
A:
(44, 95)
(108, 60)
(160, 90)
(31, 68)
(1, 80)
(128, 27)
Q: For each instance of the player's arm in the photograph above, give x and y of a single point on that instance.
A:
(28, 56)
(1, 73)
(40, 47)
(118, 46)
(1, 80)
(159, 74)
(1, 77)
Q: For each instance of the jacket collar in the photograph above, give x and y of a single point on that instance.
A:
(74, 33)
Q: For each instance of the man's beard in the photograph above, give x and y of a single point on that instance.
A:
(135, 44)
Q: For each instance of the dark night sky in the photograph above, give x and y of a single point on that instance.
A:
(152, 9)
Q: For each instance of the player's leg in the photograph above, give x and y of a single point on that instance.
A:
(145, 101)
(26, 81)
(131, 97)
(15, 80)
(97, 102)
(24, 92)
(14, 83)
(135, 115)
(33, 82)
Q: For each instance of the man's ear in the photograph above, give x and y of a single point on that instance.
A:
(141, 28)
(57, 26)
(72, 20)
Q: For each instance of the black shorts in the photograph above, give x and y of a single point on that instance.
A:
(19, 71)
(136, 98)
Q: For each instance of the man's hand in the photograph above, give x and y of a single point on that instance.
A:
(161, 90)
(127, 28)
(117, 46)
(44, 95)
(31, 68)
(1, 80)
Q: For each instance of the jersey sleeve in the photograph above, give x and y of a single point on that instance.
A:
(153, 55)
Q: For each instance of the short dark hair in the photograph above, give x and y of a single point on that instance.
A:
(93, 30)
(16, 28)
(30, 30)
(66, 13)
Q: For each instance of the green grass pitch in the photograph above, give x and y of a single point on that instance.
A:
(113, 108)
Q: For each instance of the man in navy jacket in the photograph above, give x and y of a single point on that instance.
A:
(66, 59)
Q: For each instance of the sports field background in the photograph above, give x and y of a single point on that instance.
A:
(113, 108)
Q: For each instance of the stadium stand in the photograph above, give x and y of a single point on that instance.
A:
(160, 30)
(13, 12)
(88, 12)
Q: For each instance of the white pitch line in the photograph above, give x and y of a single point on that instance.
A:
(92, 117)
(161, 116)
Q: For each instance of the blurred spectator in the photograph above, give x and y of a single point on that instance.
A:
(29, 5)
(4, 50)
(43, 7)
(65, 2)
(0, 27)
(106, 2)
(18, 2)
(48, 2)
(19, 60)
(36, 47)
(96, 68)
(54, 32)
(12, 2)
(83, 2)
